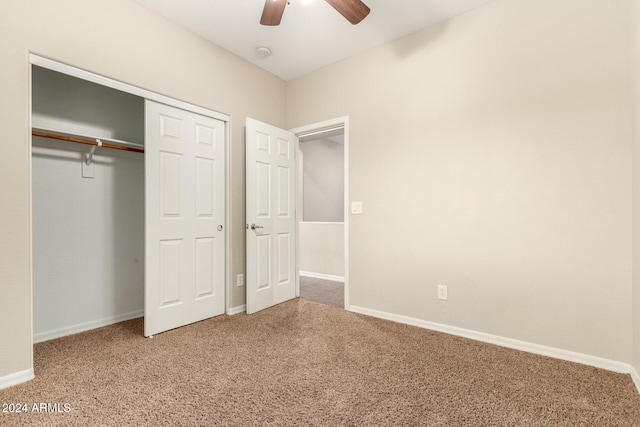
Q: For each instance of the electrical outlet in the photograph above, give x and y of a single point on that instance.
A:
(240, 280)
(442, 292)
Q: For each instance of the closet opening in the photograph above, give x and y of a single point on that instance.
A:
(88, 205)
(129, 205)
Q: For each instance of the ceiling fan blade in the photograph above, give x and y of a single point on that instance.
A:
(354, 10)
(272, 12)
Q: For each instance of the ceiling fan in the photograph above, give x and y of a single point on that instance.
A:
(354, 10)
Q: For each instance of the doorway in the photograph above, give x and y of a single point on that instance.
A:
(322, 213)
(321, 224)
(274, 209)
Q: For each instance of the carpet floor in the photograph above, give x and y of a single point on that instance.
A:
(307, 364)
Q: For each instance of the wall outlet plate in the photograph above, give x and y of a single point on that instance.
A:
(356, 208)
(240, 280)
(442, 292)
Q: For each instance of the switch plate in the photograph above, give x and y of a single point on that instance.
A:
(442, 292)
(240, 280)
(356, 208)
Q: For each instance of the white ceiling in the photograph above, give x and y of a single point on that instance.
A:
(311, 35)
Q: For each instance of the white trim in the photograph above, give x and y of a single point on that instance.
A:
(320, 127)
(16, 378)
(237, 310)
(29, 179)
(556, 353)
(228, 217)
(347, 219)
(337, 123)
(82, 327)
(636, 378)
(299, 208)
(321, 276)
(50, 64)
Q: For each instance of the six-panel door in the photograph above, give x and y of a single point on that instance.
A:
(270, 209)
(185, 218)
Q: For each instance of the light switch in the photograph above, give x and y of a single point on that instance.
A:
(356, 208)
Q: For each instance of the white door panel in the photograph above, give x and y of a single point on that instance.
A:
(185, 218)
(270, 206)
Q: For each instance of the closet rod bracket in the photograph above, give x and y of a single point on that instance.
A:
(89, 155)
(88, 166)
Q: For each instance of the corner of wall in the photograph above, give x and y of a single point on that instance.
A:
(635, 70)
(16, 378)
(636, 378)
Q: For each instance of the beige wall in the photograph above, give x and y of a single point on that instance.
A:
(321, 248)
(323, 180)
(636, 184)
(492, 154)
(123, 41)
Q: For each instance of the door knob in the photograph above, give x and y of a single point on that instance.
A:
(255, 227)
(220, 228)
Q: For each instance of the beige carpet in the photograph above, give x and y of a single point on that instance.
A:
(307, 364)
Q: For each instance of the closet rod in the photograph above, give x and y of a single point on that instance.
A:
(86, 141)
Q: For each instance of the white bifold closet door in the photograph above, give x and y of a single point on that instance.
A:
(185, 217)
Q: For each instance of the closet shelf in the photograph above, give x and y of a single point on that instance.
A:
(114, 144)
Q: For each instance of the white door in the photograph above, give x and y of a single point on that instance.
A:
(270, 214)
(185, 218)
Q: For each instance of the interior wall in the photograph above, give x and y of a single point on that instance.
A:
(492, 154)
(105, 37)
(635, 20)
(323, 180)
(88, 245)
(66, 103)
(321, 248)
(88, 233)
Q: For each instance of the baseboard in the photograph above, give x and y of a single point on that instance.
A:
(82, 327)
(16, 378)
(636, 378)
(585, 359)
(322, 276)
(237, 310)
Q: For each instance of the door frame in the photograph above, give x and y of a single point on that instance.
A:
(60, 67)
(318, 128)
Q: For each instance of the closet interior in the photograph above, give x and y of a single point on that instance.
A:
(88, 204)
